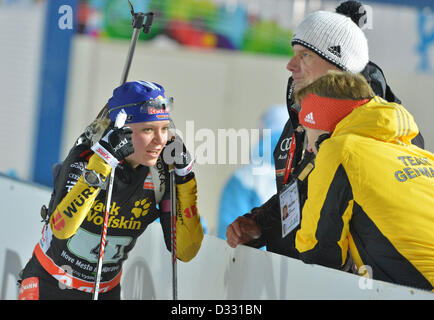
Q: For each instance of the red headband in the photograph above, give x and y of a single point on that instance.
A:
(325, 113)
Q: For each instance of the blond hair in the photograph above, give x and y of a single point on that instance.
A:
(95, 130)
(338, 85)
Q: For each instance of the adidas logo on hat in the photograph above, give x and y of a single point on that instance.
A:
(335, 38)
(336, 50)
(309, 118)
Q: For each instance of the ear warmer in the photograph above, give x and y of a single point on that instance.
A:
(325, 113)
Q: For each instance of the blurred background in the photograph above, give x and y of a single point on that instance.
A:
(223, 61)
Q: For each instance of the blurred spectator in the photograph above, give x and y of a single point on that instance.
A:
(246, 190)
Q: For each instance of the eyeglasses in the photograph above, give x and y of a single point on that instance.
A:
(156, 105)
(165, 104)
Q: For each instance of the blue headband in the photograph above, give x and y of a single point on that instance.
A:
(142, 101)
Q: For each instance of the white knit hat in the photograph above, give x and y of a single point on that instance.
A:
(334, 37)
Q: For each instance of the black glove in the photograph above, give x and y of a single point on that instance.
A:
(115, 146)
(176, 153)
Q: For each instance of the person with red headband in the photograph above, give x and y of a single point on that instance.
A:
(63, 264)
(323, 41)
(371, 191)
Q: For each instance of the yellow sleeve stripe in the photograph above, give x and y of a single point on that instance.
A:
(71, 211)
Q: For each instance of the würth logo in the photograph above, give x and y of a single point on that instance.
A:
(309, 118)
(336, 50)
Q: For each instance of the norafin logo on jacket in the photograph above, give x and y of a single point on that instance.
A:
(366, 276)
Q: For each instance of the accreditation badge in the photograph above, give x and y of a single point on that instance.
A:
(289, 208)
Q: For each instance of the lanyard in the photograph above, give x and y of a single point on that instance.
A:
(289, 159)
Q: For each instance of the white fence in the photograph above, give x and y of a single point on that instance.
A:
(218, 272)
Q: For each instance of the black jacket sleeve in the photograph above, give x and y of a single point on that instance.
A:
(266, 217)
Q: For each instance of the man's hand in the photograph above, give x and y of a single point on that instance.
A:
(241, 231)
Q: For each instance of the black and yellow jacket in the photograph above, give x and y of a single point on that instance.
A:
(372, 192)
(71, 238)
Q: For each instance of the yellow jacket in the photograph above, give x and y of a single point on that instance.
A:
(372, 192)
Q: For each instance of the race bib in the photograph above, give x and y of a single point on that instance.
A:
(86, 245)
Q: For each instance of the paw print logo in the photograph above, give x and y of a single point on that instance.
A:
(141, 208)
